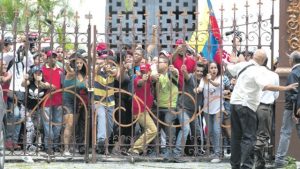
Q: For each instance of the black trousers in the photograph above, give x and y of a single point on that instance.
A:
(243, 136)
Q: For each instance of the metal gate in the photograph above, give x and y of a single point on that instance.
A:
(30, 48)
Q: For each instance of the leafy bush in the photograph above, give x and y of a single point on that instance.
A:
(291, 163)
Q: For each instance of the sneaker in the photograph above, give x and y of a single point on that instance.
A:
(31, 148)
(227, 155)
(67, 153)
(81, 150)
(215, 160)
(201, 152)
(167, 154)
(27, 159)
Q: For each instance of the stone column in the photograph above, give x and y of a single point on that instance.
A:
(289, 41)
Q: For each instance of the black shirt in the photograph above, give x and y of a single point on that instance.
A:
(291, 95)
(34, 95)
(185, 101)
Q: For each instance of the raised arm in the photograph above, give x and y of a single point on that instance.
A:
(25, 81)
(185, 72)
(153, 43)
(215, 82)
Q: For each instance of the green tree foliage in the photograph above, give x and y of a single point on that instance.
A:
(46, 14)
(8, 9)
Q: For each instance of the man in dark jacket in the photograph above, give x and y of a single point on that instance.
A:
(289, 119)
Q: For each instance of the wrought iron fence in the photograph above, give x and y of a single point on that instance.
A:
(27, 117)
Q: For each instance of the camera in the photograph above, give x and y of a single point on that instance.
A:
(237, 34)
(32, 38)
(8, 41)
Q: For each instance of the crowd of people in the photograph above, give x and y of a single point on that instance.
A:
(174, 95)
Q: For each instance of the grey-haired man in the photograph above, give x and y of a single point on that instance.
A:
(288, 119)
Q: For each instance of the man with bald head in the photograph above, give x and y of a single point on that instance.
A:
(245, 99)
(289, 119)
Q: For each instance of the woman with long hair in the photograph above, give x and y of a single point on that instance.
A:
(212, 87)
(36, 88)
(75, 78)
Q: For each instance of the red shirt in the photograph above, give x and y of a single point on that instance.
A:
(190, 63)
(52, 76)
(144, 93)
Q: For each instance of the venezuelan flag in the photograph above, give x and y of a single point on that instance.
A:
(207, 39)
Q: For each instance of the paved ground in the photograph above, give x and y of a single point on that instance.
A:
(118, 165)
(13, 162)
(103, 162)
(115, 165)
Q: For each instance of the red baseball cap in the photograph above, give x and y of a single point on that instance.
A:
(145, 68)
(101, 46)
(179, 42)
(51, 53)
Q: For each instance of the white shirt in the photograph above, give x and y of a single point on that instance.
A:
(17, 78)
(249, 85)
(212, 98)
(7, 57)
(268, 97)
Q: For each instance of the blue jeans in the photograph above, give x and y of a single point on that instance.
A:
(52, 132)
(183, 133)
(104, 122)
(285, 134)
(18, 112)
(227, 108)
(214, 131)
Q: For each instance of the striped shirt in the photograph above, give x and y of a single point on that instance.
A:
(103, 89)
